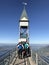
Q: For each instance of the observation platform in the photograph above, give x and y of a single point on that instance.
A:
(12, 59)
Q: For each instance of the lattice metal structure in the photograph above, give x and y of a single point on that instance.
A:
(24, 32)
(24, 27)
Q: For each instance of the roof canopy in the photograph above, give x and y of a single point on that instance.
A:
(24, 15)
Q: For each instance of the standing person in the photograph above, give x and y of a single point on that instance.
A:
(24, 52)
(26, 48)
(20, 49)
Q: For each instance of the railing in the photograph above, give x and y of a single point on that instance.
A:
(8, 57)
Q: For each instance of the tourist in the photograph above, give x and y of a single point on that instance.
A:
(20, 49)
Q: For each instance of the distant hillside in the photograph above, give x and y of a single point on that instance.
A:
(6, 47)
(37, 46)
(44, 50)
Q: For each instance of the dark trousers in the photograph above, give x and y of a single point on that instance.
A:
(27, 50)
(19, 53)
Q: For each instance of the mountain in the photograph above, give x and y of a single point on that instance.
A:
(37, 46)
(44, 50)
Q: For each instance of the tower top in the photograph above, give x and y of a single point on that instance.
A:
(24, 15)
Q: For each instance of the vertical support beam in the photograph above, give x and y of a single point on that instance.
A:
(31, 53)
(36, 59)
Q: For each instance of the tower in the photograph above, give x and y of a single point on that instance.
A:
(24, 27)
(24, 34)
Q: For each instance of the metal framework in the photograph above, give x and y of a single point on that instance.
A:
(23, 27)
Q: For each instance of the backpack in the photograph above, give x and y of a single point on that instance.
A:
(20, 47)
(26, 46)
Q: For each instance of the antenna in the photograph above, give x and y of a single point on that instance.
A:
(24, 3)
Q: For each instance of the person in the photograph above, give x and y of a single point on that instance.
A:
(27, 48)
(20, 49)
(26, 45)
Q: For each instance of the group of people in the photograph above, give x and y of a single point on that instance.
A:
(23, 49)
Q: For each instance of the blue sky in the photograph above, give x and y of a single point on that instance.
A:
(38, 14)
